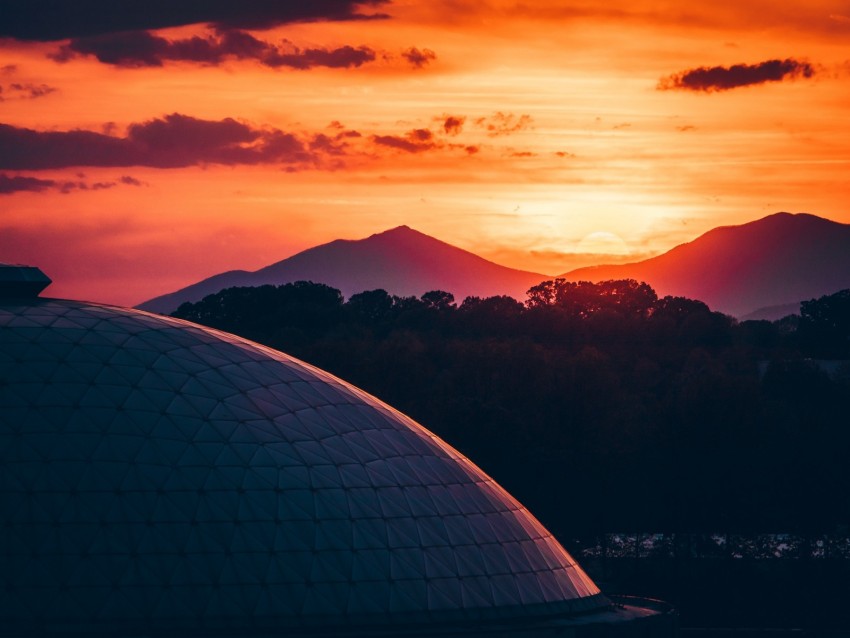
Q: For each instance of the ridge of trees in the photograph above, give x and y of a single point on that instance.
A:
(600, 406)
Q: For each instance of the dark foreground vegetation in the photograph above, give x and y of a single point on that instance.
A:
(740, 582)
(599, 406)
(605, 409)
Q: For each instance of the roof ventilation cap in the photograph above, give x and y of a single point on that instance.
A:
(21, 281)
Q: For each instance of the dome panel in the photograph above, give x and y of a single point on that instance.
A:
(160, 474)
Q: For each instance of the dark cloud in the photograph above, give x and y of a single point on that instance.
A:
(170, 142)
(453, 124)
(342, 57)
(50, 20)
(333, 144)
(24, 91)
(447, 128)
(67, 187)
(414, 141)
(418, 57)
(140, 48)
(28, 149)
(10, 184)
(721, 78)
(178, 141)
(18, 183)
(32, 91)
(145, 49)
(503, 123)
(27, 90)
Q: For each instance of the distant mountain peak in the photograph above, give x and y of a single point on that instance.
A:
(400, 231)
(401, 260)
(778, 259)
(782, 219)
(791, 219)
(772, 261)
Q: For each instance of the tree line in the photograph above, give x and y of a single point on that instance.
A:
(601, 406)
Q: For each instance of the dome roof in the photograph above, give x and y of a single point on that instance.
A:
(158, 474)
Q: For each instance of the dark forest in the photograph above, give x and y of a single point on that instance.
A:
(600, 406)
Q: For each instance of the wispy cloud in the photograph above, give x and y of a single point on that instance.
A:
(10, 184)
(414, 141)
(503, 123)
(25, 91)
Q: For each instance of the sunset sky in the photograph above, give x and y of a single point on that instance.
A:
(146, 145)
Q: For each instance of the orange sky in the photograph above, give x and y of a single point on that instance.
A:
(540, 136)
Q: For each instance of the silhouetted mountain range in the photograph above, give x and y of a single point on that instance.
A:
(402, 261)
(775, 261)
(740, 270)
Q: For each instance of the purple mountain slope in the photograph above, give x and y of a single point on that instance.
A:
(402, 261)
(773, 261)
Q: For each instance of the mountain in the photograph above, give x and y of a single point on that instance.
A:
(402, 261)
(773, 261)
(772, 313)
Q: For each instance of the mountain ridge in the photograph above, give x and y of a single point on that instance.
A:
(772, 261)
(401, 260)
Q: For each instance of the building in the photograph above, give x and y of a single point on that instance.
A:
(160, 478)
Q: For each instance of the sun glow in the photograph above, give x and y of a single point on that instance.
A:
(472, 122)
(603, 242)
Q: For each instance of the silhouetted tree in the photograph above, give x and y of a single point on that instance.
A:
(491, 316)
(825, 323)
(543, 294)
(439, 300)
(371, 306)
(584, 298)
(678, 308)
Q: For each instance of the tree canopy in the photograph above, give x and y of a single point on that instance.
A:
(600, 406)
